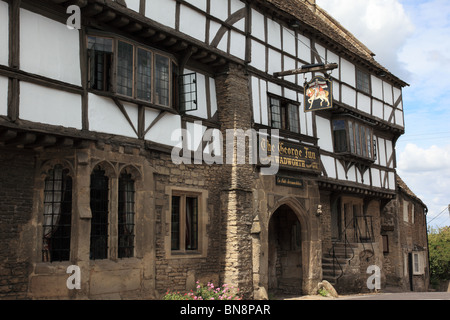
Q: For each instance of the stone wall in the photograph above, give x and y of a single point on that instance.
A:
(16, 200)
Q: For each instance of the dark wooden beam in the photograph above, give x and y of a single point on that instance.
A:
(306, 69)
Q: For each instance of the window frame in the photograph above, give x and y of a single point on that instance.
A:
(285, 116)
(68, 214)
(127, 177)
(354, 139)
(360, 83)
(172, 63)
(202, 217)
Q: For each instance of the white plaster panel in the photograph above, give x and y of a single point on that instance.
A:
(348, 96)
(201, 4)
(196, 30)
(321, 51)
(150, 115)
(258, 25)
(302, 115)
(105, 116)
(167, 127)
(377, 87)
(258, 56)
(333, 58)
(309, 124)
(367, 178)
(376, 178)
(289, 41)
(49, 48)
(336, 91)
(236, 5)
(387, 91)
(4, 33)
(255, 100)
(264, 106)
(49, 106)
(274, 61)
(399, 118)
(348, 72)
(219, 9)
(237, 45)
(213, 96)
(382, 151)
(377, 108)
(324, 134)
(3, 96)
(273, 33)
(290, 94)
(213, 29)
(240, 25)
(223, 44)
(134, 5)
(304, 51)
(274, 88)
(216, 144)
(196, 132)
(328, 163)
(162, 11)
(364, 102)
(340, 171)
(391, 179)
(397, 93)
(351, 174)
(389, 150)
(289, 64)
(387, 112)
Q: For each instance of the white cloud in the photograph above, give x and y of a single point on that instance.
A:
(382, 25)
(426, 171)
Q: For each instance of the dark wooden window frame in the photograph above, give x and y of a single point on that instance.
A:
(285, 116)
(182, 241)
(359, 139)
(112, 88)
(363, 81)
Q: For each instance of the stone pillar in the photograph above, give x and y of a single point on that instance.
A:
(234, 110)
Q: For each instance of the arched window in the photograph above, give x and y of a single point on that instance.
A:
(126, 216)
(99, 208)
(57, 215)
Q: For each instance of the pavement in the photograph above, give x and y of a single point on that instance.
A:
(383, 295)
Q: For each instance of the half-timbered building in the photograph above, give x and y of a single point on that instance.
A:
(95, 96)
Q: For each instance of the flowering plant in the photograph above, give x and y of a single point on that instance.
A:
(208, 292)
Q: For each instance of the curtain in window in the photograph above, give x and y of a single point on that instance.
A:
(57, 215)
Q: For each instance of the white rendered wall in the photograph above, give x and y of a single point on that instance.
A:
(192, 23)
(134, 5)
(105, 116)
(49, 48)
(324, 134)
(162, 131)
(162, 11)
(49, 106)
(328, 163)
(3, 96)
(4, 33)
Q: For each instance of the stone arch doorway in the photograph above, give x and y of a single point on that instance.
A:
(285, 265)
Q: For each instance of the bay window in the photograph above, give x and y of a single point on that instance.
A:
(353, 137)
(130, 70)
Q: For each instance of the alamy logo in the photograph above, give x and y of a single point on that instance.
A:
(74, 21)
(374, 281)
(74, 280)
(241, 147)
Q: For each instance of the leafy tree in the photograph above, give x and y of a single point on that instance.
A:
(439, 246)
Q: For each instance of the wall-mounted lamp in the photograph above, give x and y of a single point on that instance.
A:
(294, 24)
(319, 210)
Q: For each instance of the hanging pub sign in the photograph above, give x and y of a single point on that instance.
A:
(318, 94)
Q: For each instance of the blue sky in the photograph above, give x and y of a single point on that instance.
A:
(411, 38)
